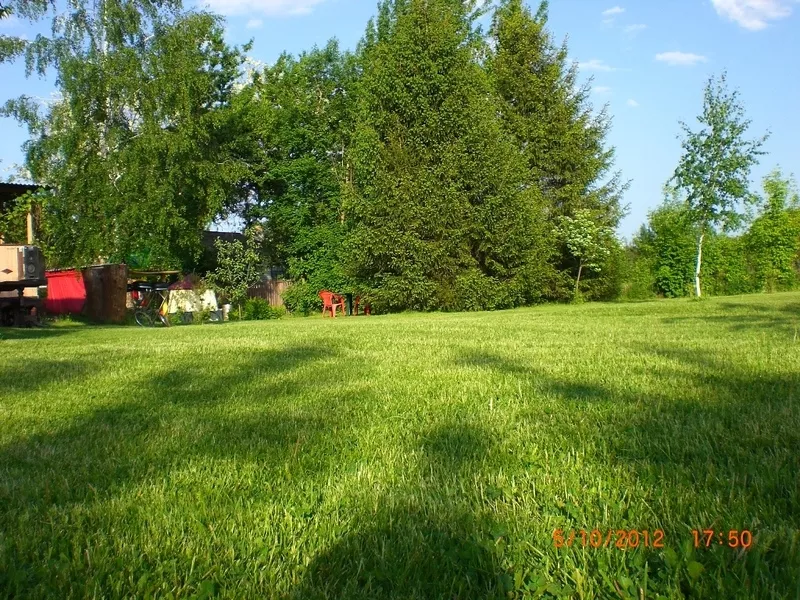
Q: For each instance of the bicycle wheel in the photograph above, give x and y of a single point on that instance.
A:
(143, 318)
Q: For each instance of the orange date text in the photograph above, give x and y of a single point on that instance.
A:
(621, 539)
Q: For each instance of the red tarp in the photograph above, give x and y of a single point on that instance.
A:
(66, 293)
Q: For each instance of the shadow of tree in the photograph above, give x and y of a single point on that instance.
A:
(427, 535)
(745, 424)
(782, 308)
(109, 445)
(48, 332)
(33, 374)
(175, 419)
(539, 381)
(727, 446)
(486, 360)
(782, 319)
(422, 541)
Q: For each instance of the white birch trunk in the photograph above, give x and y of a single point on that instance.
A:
(697, 289)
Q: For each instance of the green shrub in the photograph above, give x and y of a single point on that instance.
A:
(258, 309)
(302, 298)
(639, 281)
(607, 283)
(669, 243)
(673, 281)
(561, 288)
(729, 267)
(475, 291)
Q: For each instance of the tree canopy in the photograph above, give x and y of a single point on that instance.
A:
(550, 117)
(774, 237)
(135, 149)
(438, 209)
(434, 167)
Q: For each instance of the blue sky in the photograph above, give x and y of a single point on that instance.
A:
(648, 59)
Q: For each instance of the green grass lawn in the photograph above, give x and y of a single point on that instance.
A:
(406, 456)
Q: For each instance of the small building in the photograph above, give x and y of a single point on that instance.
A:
(9, 192)
(21, 266)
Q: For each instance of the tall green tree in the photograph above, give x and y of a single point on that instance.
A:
(439, 211)
(553, 123)
(774, 238)
(299, 108)
(549, 115)
(714, 170)
(135, 150)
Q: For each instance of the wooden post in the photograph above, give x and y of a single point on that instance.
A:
(30, 228)
(106, 293)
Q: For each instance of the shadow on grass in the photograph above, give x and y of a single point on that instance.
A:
(745, 425)
(418, 542)
(734, 420)
(180, 410)
(543, 384)
(36, 333)
(486, 360)
(782, 308)
(33, 374)
(422, 540)
(170, 421)
(783, 319)
(714, 433)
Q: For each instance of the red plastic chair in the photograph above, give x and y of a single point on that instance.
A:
(357, 303)
(330, 301)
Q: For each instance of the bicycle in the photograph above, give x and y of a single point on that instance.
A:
(150, 304)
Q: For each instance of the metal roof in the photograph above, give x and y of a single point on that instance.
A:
(12, 191)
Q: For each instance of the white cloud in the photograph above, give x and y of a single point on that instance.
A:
(601, 90)
(596, 65)
(633, 103)
(272, 8)
(753, 14)
(634, 29)
(610, 12)
(254, 24)
(680, 59)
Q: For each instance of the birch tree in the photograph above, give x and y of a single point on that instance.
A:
(714, 171)
(135, 148)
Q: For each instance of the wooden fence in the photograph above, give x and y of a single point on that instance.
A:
(270, 291)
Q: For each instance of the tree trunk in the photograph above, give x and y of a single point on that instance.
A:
(578, 280)
(697, 289)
